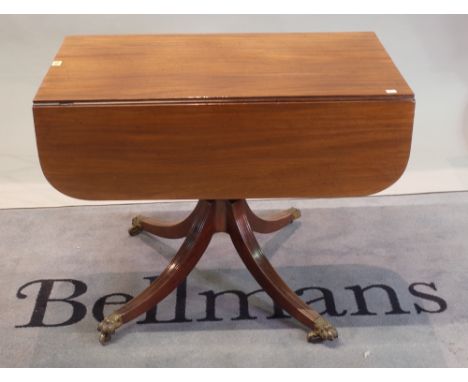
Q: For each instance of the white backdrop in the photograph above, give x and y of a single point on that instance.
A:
(430, 51)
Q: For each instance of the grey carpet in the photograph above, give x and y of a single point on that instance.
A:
(411, 250)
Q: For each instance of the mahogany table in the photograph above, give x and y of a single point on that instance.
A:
(222, 118)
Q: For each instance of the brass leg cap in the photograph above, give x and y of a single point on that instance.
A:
(108, 326)
(133, 231)
(295, 213)
(323, 331)
(136, 228)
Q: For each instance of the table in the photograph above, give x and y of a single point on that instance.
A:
(222, 118)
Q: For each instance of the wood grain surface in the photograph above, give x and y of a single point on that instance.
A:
(185, 68)
(224, 151)
(223, 116)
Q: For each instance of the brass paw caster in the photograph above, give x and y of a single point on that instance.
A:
(136, 228)
(323, 331)
(295, 213)
(108, 326)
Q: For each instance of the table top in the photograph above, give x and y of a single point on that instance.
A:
(222, 67)
(223, 116)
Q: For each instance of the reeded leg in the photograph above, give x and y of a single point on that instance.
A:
(239, 228)
(184, 261)
(164, 229)
(273, 223)
(235, 218)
